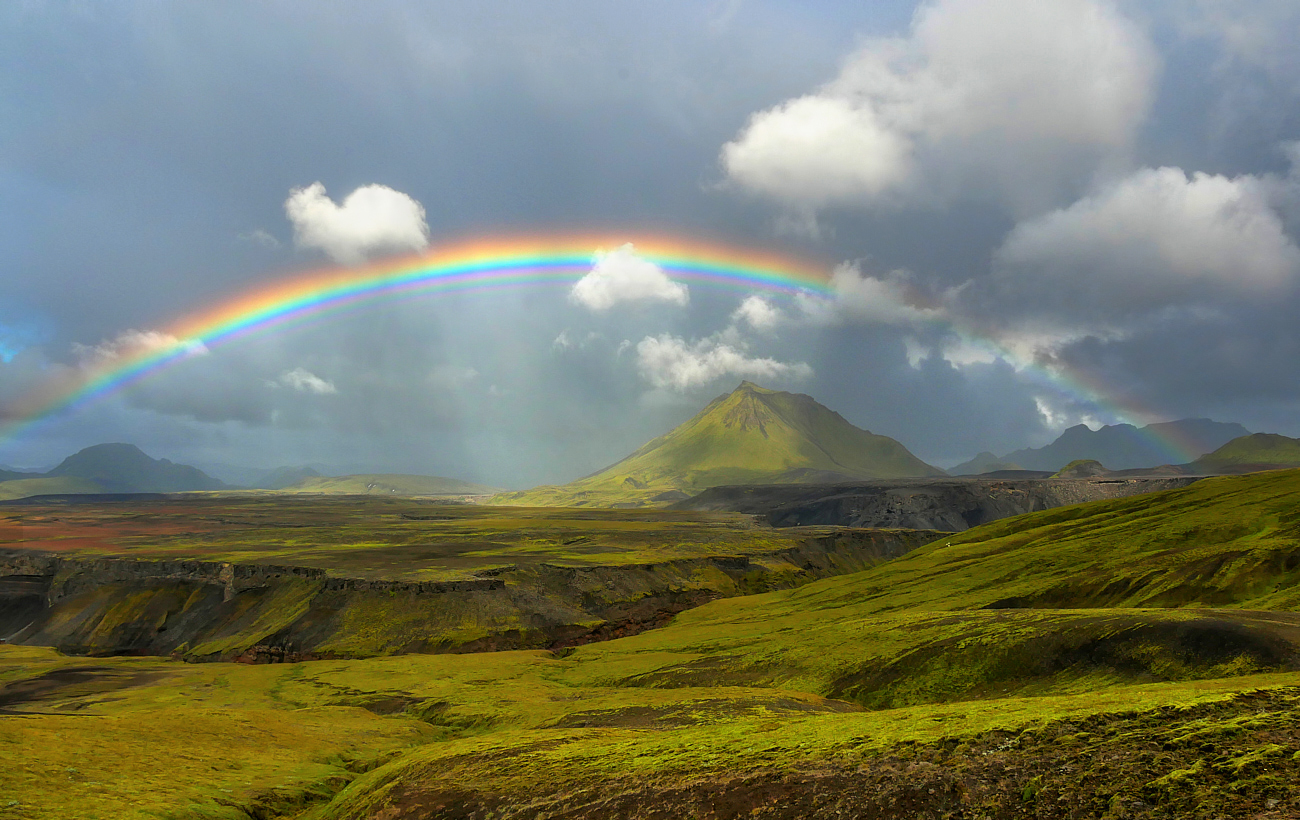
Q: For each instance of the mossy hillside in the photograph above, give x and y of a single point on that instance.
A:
(200, 740)
(751, 436)
(1201, 757)
(1255, 449)
(1143, 583)
(1224, 541)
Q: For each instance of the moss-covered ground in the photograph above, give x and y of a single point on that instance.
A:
(377, 537)
(1130, 658)
(135, 738)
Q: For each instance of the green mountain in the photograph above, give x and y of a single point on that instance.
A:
(750, 436)
(1259, 451)
(387, 484)
(111, 468)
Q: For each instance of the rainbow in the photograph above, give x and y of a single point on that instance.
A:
(469, 266)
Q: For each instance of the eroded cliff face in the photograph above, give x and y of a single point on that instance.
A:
(259, 612)
(939, 504)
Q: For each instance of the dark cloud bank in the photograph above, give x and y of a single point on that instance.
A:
(1042, 213)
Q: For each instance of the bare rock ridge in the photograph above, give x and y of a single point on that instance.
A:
(951, 504)
(202, 610)
(752, 435)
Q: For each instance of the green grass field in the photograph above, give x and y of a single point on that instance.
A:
(1123, 658)
(377, 536)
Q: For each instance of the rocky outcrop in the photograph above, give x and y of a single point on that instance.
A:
(940, 504)
(267, 613)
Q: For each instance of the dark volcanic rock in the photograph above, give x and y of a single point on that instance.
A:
(933, 504)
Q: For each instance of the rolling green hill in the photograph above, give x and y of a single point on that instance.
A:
(1202, 581)
(1259, 451)
(751, 436)
(387, 484)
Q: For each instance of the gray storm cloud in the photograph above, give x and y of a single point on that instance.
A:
(1086, 184)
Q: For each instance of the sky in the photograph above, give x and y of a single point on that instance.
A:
(1029, 214)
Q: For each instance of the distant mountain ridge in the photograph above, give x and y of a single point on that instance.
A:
(124, 468)
(752, 435)
(1118, 446)
(110, 468)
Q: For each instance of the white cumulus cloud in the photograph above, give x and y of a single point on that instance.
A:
(304, 381)
(1154, 239)
(668, 361)
(759, 313)
(1023, 97)
(372, 219)
(621, 275)
(817, 150)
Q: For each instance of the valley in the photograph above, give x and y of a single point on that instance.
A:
(1136, 655)
(219, 578)
(766, 612)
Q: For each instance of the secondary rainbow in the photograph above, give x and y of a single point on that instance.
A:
(470, 266)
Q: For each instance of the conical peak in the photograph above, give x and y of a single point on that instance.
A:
(747, 386)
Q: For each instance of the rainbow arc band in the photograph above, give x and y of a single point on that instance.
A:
(485, 264)
(488, 264)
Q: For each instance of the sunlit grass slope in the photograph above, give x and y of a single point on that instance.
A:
(1139, 588)
(1262, 449)
(750, 436)
(53, 485)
